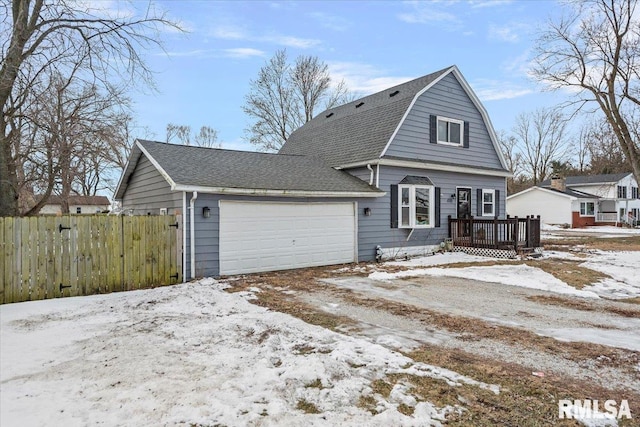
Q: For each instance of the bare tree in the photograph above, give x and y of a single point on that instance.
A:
(284, 97)
(540, 136)
(67, 140)
(605, 155)
(48, 36)
(513, 157)
(180, 132)
(595, 52)
(206, 137)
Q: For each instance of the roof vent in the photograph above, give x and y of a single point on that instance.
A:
(394, 93)
(359, 105)
(329, 115)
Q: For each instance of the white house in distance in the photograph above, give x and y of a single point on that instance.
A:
(580, 201)
(77, 205)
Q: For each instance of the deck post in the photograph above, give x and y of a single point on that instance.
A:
(515, 233)
(528, 231)
(471, 231)
(495, 232)
(449, 226)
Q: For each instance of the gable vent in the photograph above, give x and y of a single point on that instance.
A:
(394, 93)
(359, 105)
(329, 115)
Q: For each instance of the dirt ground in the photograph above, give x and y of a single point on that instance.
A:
(538, 346)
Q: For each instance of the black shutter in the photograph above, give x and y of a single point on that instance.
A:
(465, 141)
(394, 206)
(479, 201)
(497, 203)
(433, 129)
(437, 206)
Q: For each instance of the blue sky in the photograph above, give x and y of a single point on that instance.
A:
(205, 74)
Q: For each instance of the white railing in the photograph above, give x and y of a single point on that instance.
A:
(606, 217)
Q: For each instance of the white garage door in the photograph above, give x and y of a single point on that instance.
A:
(257, 236)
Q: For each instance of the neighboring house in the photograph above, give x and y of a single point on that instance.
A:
(383, 171)
(77, 205)
(579, 201)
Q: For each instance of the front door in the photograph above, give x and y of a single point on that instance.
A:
(463, 196)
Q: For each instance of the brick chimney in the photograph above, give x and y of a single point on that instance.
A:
(558, 183)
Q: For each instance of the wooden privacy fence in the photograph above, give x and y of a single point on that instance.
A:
(54, 256)
(510, 233)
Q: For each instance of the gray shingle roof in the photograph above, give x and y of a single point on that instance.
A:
(573, 193)
(589, 179)
(346, 134)
(210, 167)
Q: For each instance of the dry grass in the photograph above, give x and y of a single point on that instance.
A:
(307, 407)
(626, 243)
(585, 306)
(569, 272)
(524, 399)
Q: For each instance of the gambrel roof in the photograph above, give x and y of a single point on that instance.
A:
(191, 168)
(362, 130)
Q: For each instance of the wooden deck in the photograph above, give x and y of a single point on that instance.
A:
(511, 233)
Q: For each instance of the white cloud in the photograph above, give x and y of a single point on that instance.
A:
(363, 78)
(495, 90)
(243, 52)
(229, 33)
(235, 33)
(510, 33)
(289, 41)
(332, 22)
(477, 4)
(431, 13)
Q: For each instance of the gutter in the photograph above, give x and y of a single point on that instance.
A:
(192, 234)
(278, 193)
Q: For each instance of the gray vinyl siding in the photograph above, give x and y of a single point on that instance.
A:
(376, 229)
(148, 192)
(446, 98)
(208, 229)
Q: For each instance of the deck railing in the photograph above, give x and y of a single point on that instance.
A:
(510, 233)
(607, 217)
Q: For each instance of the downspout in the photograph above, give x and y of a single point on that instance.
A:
(378, 174)
(184, 236)
(371, 174)
(192, 234)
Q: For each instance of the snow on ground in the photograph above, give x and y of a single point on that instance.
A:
(440, 259)
(512, 275)
(192, 354)
(622, 266)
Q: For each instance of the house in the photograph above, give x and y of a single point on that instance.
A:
(77, 205)
(378, 176)
(580, 201)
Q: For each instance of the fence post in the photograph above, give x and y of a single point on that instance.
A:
(471, 231)
(528, 231)
(495, 232)
(449, 226)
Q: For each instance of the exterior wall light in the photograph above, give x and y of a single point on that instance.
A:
(367, 211)
(206, 212)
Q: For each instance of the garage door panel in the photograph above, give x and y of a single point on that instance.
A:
(257, 236)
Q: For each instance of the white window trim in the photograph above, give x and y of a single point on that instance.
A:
(412, 206)
(585, 215)
(447, 119)
(493, 202)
